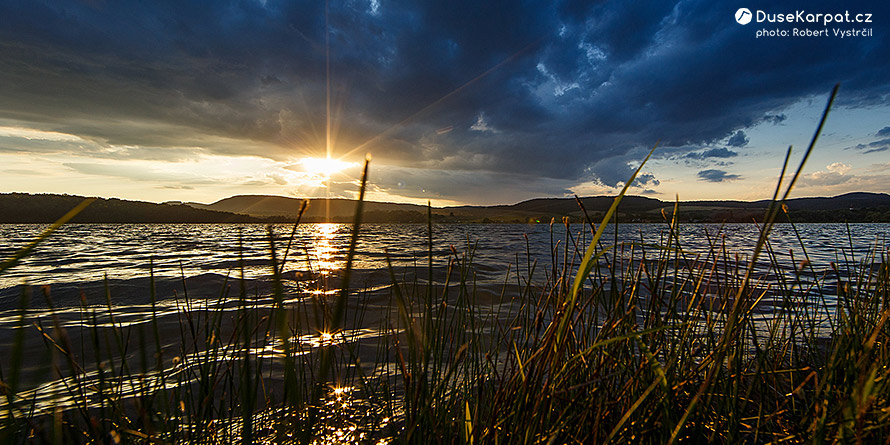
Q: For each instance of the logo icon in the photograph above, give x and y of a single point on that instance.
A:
(743, 16)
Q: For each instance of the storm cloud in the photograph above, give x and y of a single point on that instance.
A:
(739, 139)
(718, 153)
(713, 175)
(554, 93)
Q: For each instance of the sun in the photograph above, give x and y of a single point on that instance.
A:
(324, 166)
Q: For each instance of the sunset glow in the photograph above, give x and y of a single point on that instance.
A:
(325, 167)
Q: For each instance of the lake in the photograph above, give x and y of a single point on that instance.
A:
(101, 276)
(80, 254)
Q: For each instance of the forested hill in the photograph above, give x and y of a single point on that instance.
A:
(850, 207)
(47, 208)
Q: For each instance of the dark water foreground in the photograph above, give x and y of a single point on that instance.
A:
(195, 332)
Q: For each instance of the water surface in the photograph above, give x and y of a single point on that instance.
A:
(85, 253)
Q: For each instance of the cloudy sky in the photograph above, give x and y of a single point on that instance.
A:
(456, 101)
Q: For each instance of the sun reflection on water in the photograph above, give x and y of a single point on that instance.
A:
(325, 251)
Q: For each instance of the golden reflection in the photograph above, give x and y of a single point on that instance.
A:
(343, 410)
(333, 338)
(317, 340)
(325, 251)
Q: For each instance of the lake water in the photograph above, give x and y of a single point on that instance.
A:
(84, 254)
(103, 268)
(98, 264)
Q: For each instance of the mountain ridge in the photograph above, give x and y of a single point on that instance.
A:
(47, 208)
(43, 208)
(639, 206)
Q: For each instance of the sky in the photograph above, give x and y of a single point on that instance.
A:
(455, 102)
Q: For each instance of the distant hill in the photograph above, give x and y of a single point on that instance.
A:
(846, 201)
(541, 209)
(319, 209)
(47, 208)
(851, 207)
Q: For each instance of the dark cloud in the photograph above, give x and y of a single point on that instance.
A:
(883, 132)
(720, 153)
(775, 119)
(713, 175)
(646, 179)
(872, 147)
(569, 91)
(880, 145)
(617, 169)
(739, 139)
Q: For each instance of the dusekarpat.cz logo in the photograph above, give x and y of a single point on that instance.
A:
(743, 16)
(802, 23)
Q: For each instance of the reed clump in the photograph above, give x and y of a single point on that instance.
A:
(623, 342)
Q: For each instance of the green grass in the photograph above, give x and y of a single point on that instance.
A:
(622, 343)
